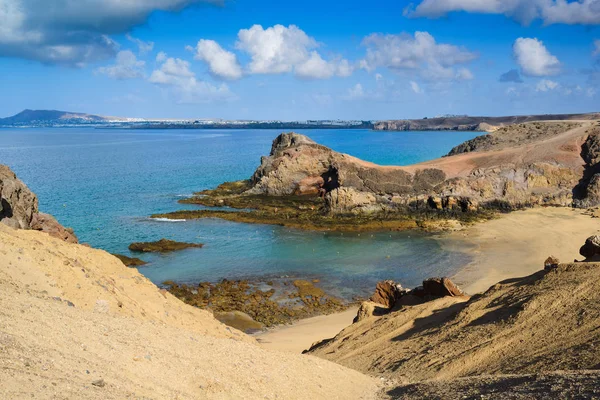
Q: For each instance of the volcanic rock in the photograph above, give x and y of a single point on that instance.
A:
(162, 246)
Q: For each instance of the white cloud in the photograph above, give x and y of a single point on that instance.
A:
(534, 59)
(585, 12)
(596, 51)
(279, 49)
(356, 92)
(546, 85)
(378, 77)
(126, 66)
(590, 92)
(176, 75)
(144, 47)
(414, 86)
(420, 54)
(222, 63)
(72, 32)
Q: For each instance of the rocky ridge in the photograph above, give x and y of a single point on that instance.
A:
(523, 165)
(19, 208)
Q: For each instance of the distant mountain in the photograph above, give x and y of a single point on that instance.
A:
(43, 117)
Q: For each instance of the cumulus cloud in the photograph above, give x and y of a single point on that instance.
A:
(175, 74)
(71, 32)
(511, 76)
(221, 63)
(144, 47)
(126, 66)
(420, 53)
(534, 59)
(585, 12)
(546, 85)
(279, 49)
(355, 92)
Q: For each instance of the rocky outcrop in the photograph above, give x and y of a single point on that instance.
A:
(18, 204)
(19, 208)
(47, 223)
(466, 123)
(524, 165)
(591, 249)
(390, 296)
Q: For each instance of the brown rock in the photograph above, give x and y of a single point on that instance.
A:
(130, 261)
(387, 293)
(441, 287)
(591, 247)
(162, 246)
(47, 223)
(551, 263)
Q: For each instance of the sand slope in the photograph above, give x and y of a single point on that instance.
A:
(544, 322)
(72, 316)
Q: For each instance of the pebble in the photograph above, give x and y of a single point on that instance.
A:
(99, 383)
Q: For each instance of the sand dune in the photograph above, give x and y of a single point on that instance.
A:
(76, 323)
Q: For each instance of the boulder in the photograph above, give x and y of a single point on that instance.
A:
(130, 261)
(551, 263)
(47, 223)
(441, 287)
(18, 204)
(387, 293)
(591, 247)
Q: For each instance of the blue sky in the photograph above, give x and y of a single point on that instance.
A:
(267, 59)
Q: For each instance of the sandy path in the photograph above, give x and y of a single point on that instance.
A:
(302, 334)
(513, 245)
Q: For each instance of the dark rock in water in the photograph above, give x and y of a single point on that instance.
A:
(162, 246)
(130, 261)
(441, 287)
(47, 223)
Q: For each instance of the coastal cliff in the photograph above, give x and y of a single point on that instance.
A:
(306, 185)
(466, 123)
(518, 166)
(19, 208)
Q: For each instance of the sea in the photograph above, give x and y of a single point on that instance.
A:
(105, 183)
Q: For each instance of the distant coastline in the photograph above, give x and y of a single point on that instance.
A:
(62, 119)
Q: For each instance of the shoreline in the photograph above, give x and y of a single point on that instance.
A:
(511, 246)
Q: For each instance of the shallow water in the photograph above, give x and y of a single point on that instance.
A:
(105, 183)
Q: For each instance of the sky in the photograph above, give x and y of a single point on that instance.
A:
(283, 60)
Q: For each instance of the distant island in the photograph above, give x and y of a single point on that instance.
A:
(54, 118)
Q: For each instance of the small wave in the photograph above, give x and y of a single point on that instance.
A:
(168, 220)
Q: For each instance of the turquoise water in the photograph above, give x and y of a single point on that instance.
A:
(105, 183)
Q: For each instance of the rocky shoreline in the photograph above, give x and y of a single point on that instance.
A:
(304, 185)
(253, 305)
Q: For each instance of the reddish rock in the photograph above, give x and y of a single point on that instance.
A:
(47, 223)
(441, 287)
(387, 293)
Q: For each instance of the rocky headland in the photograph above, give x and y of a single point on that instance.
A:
(467, 123)
(306, 185)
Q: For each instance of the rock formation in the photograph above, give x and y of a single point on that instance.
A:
(539, 163)
(19, 208)
(389, 296)
(162, 246)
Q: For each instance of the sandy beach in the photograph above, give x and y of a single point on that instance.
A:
(513, 245)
